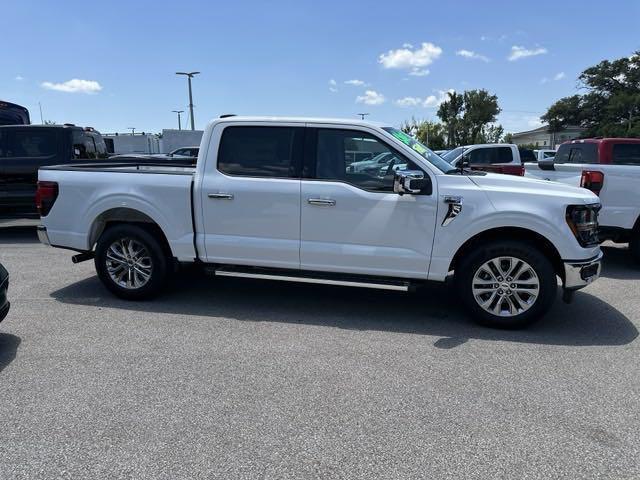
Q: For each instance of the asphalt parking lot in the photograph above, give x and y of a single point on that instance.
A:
(250, 379)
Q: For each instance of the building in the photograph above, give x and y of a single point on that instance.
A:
(172, 139)
(132, 143)
(540, 137)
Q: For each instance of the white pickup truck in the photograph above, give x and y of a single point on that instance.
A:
(274, 198)
(610, 167)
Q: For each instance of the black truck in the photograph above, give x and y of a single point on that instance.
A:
(26, 148)
(12, 114)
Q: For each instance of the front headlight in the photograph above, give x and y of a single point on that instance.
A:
(583, 222)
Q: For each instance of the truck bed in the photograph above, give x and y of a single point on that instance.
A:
(91, 194)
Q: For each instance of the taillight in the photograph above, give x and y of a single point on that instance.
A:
(46, 196)
(592, 180)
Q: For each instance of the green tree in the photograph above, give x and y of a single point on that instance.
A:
(432, 134)
(508, 138)
(450, 112)
(611, 105)
(491, 134)
(467, 116)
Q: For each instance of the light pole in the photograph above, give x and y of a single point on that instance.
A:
(190, 75)
(133, 130)
(362, 115)
(178, 112)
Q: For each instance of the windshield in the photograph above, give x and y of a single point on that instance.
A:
(418, 147)
(451, 155)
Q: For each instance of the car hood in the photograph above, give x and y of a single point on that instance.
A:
(522, 185)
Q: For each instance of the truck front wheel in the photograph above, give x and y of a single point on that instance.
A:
(131, 262)
(506, 284)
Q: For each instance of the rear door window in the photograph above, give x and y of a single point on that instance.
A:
(626, 154)
(577, 153)
(274, 152)
(31, 143)
(489, 155)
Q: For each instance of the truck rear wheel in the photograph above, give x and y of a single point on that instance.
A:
(506, 284)
(131, 262)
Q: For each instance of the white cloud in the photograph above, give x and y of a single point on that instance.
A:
(471, 54)
(355, 82)
(19, 78)
(74, 85)
(533, 122)
(518, 52)
(432, 101)
(410, 58)
(407, 45)
(408, 102)
(371, 97)
(419, 72)
(556, 77)
(332, 86)
(483, 38)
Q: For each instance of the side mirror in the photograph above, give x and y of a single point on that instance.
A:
(411, 182)
(546, 164)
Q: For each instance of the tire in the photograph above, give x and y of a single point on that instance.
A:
(505, 306)
(634, 244)
(132, 277)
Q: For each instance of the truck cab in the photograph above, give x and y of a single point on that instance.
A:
(488, 157)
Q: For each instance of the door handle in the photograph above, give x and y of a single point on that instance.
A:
(321, 202)
(221, 196)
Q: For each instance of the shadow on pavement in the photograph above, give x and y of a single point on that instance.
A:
(619, 264)
(431, 310)
(21, 234)
(8, 349)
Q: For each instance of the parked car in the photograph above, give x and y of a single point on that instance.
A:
(489, 157)
(274, 199)
(543, 154)
(12, 114)
(185, 152)
(610, 167)
(4, 286)
(26, 148)
(373, 165)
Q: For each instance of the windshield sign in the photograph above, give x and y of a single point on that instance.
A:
(418, 147)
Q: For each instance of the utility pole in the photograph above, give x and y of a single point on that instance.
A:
(41, 118)
(189, 76)
(362, 115)
(178, 112)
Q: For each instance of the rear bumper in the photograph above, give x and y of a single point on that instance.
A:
(580, 273)
(42, 235)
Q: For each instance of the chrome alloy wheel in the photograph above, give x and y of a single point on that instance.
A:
(505, 286)
(128, 263)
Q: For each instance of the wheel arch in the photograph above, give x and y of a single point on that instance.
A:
(511, 233)
(126, 215)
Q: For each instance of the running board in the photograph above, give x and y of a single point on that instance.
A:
(360, 283)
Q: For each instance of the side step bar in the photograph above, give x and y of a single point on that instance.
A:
(402, 286)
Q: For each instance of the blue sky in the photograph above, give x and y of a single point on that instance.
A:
(294, 57)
